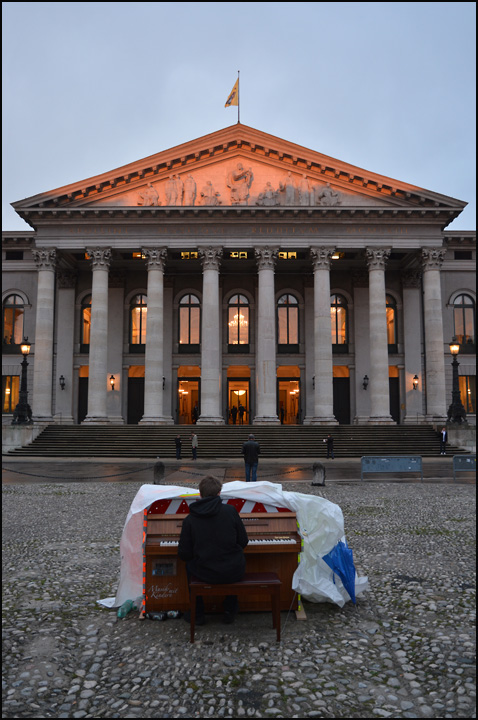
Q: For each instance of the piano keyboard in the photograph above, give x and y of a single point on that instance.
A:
(263, 541)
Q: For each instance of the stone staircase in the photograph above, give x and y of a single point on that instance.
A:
(291, 441)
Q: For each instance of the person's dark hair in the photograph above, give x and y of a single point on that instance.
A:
(251, 437)
(209, 486)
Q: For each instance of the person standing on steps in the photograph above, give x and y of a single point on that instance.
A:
(330, 446)
(443, 440)
(177, 441)
(194, 445)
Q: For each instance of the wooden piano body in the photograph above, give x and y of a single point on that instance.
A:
(274, 546)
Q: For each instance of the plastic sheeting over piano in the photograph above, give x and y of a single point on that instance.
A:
(321, 526)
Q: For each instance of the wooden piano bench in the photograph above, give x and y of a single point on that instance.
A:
(252, 584)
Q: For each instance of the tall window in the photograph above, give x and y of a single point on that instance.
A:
(467, 384)
(464, 321)
(238, 323)
(10, 388)
(139, 312)
(338, 319)
(288, 324)
(13, 309)
(189, 323)
(391, 324)
(85, 324)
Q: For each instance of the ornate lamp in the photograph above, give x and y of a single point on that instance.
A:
(456, 411)
(365, 382)
(22, 414)
(415, 382)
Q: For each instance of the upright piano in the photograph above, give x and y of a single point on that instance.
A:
(274, 546)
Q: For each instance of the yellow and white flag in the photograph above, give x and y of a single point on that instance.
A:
(233, 98)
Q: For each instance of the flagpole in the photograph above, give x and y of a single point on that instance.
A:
(238, 98)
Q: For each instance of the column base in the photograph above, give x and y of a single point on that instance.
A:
(156, 421)
(96, 421)
(42, 419)
(321, 421)
(381, 420)
(436, 420)
(206, 420)
(264, 420)
(417, 419)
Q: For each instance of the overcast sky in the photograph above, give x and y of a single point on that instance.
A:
(388, 87)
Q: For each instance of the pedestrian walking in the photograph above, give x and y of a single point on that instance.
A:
(234, 414)
(443, 440)
(330, 446)
(251, 451)
(177, 440)
(194, 445)
(242, 410)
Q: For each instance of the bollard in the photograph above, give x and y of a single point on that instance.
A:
(319, 474)
(158, 473)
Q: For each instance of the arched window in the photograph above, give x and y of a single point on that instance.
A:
(189, 324)
(391, 324)
(339, 324)
(464, 322)
(288, 324)
(85, 327)
(13, 310)
(238, 324)
(138, 316)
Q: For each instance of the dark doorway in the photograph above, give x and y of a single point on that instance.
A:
(82, 398)
(342, 400)
(135, 400)
(394, 385)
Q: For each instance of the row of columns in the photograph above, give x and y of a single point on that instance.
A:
(211, 365)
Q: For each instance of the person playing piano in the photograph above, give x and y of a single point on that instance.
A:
(212, 542)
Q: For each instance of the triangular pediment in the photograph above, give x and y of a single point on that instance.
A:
(238, 166)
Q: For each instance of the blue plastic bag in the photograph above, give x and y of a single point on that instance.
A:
(341, 560)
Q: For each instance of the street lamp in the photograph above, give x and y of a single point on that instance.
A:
(22, 414)
(456, 411)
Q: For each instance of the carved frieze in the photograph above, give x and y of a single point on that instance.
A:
(239, 180)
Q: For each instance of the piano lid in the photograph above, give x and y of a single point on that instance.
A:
(180, 506)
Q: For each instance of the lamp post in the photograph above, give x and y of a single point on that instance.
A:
(22, 414)
(456, 411)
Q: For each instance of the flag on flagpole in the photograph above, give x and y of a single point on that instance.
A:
(233, 98)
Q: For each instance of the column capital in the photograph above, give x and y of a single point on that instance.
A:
(100, 257)
(411, 278)
(66, 279)
(210, 257)
(155, 257)
(44, 259)
(321, 257)
(266, 257)
(376, 257)
(432, 258)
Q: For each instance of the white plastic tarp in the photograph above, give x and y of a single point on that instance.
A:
(321, 525)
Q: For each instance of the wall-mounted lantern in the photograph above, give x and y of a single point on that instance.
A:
(62, 382)
(112, 382)
(365, 382)
(415, 382)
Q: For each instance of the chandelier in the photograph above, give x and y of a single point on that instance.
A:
(238, 319)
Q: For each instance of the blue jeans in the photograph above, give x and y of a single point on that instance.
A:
(250, 467)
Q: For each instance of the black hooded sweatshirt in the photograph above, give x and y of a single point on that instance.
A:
(212, 540)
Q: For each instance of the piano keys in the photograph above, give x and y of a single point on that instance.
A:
(274, 546)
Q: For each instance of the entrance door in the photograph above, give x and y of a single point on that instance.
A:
(188, 401)
(394, 385)
(342, 400)
(238, 411)
(82, 398)
(135, 400)
(289, 402)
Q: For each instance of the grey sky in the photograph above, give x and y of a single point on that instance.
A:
(388, 87)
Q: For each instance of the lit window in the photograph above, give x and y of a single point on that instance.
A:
(188, 255)
(288, 255)
(391, 320)
(189, 320)
(467, 384)
(238, 320)
(10, 386)
(13, 309)
(238, 254)
(338, 318)
(464, 319)
(139, 312)
(288, 320)
(85, 323)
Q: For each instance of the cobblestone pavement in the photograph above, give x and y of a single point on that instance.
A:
(407, 649)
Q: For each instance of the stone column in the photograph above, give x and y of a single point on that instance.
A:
(379, 387)
(98, 380)
(436, 409)
(211, 370)
(43, 368)
(154, 361)
(266, 372)
(323, 365)
(412, 315)
(65, 341)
